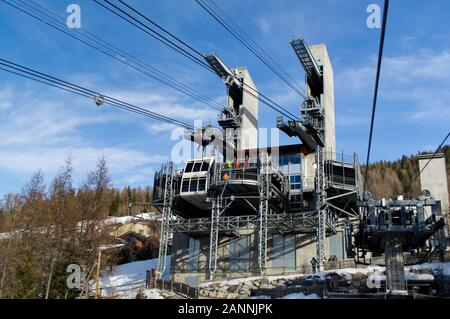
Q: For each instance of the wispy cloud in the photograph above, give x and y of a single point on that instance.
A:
(165, 104)
(415, 85)
(263, 25)
(160, 127)
(39, 132)
(6, 97)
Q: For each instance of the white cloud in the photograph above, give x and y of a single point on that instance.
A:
(40, 131)
(165, 104)
(263, 25)
(6, 97)
(423, 66)
(407, 69)
(415, 85)
(160, 127)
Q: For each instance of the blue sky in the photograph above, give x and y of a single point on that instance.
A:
(42, 126)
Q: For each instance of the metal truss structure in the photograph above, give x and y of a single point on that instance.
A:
(166, 217)
(321, 197)
(264, 184)
(319, 221)
(283, 223)
(255, 194)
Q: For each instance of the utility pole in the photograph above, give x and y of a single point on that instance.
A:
(47, 292)
(97, 279)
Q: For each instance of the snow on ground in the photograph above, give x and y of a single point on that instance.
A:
(444, 267)
(128, 219)
(238, 281)
(153, 294)
(301, 296)
(126, 280)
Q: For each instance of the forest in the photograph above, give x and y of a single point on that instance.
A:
(49, 227)
(390, 178)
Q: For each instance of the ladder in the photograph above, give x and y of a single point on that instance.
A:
(308, 62)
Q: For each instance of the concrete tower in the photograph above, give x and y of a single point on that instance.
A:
(239, 119)
(247, 135)
(434, 179)
(326, 97)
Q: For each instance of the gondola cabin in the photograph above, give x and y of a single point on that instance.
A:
(195, 181)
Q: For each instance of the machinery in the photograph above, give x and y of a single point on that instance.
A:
(393, 227)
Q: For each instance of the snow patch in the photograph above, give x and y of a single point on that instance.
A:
(126, 280)
(301, 296)
(152, 294)
(129, 219)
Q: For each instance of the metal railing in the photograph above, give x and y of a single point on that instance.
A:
(339, 157)
(176, 287)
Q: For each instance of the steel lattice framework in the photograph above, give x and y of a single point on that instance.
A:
(321, 197)
(263, 210)
(166, 218)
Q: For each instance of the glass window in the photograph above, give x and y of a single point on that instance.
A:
(193, 254)
(295, 181)
(205, 166)
(283, 160)
(201, 184)
(286, 159)
(240, 253)
(185, 185)
(193, 187)
(189, 167)
(295, 178)
(294, 159)
(197, 167)
(283, 251)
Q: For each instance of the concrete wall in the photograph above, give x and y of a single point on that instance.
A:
(305, 249)
(434, 179)
(249, 112)
(320, 53)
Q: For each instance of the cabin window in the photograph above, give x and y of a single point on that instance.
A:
(295, 181)
(294, 159)
(286, 159)
(193, 187)
(197, 167)
(193, 254)
(201, 184)
(240, 253)
(205, 166)
(185, 186)
(283, 251)
(189, 167)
